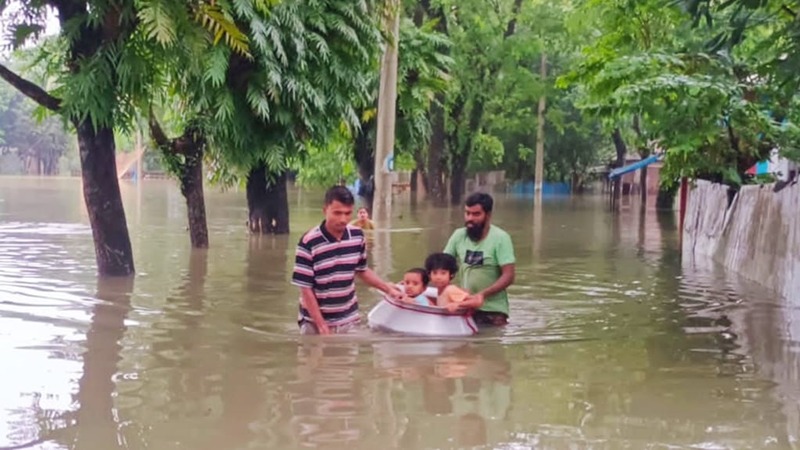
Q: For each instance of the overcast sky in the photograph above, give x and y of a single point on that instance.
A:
(51, 25)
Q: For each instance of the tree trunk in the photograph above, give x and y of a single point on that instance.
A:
(278, 204)
(267, 202)
(435, 172)
(666, 199)
(365, 160)
(458, 179)
(191, 146)
(257, 200)
(644, 185)
(103, 201)
(192, 189)
(619, 145)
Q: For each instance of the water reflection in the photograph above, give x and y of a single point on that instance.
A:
(536, 241)
(326, 399)
(463, 388)
(381, 248)
(613, 342)
(96, 420)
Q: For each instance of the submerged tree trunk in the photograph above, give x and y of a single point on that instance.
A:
(644, 184)
(186, 154)
(436, 147)
(414, 184)
(267, 202)
(96, 143)
(666, 198)
(103, 200)
(619, 145)
(278, 204)
(191, 179)
(257, 200)
(458, 179)
(365, 160)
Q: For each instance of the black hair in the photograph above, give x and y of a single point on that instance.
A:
(340, 194)
(441, 261)
(422, 273)
(480, 198)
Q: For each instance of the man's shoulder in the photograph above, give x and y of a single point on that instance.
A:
(355, 232)
(459, 233)
(311, 237)
(499, 233)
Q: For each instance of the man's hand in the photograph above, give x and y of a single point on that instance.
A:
(473, 301)
(323, 328)
(394, 293)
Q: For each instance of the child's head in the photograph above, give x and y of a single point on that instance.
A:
(363, 214)
(442, 268)
(415, 281)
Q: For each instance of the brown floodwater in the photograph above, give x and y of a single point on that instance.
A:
(612, 343)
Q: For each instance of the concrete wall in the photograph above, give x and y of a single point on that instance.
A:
(758, 236)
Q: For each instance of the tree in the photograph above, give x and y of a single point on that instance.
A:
(307, 74)
(38, 143)
(422, 75)
(655, 78)
(97, 53)
(481, 38)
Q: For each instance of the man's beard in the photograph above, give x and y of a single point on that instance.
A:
(475, 232)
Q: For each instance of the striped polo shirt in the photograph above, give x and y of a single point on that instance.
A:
(329, 267)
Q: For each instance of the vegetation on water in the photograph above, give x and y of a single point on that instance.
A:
(254, 92)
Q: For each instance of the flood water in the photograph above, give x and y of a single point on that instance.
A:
(612, 343)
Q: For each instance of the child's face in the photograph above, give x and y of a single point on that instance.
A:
(413, 284)
(440, 277)
(363, 214)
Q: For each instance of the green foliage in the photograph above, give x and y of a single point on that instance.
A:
(498, 86)
(648, 72)
(325, 166)
(38, 144)
(423, 72)
(308, 73)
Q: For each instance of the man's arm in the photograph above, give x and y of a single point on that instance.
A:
(372, 279)
(504, 254)
(311, 305)
(506, 279)
(365, 274)
(303, 277)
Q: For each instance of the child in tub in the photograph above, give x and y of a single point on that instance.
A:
(415, 281)
(442, 268)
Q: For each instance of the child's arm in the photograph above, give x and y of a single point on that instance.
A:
(451, 297)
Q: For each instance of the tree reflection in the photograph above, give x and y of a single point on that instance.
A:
(96, 420)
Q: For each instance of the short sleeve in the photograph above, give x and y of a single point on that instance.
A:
(362, 261)
(303, 274)
(504, 253)
(450, 248)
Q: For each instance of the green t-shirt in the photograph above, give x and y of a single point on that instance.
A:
(480, 262)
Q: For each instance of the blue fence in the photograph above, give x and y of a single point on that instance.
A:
(527, 188)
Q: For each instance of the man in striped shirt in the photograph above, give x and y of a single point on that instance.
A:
(327, 261)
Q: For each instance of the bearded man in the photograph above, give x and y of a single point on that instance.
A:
(486, 261)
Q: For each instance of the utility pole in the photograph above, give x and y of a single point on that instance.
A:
(539, 168)
(387, 101)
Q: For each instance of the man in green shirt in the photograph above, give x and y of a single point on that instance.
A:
(486, 258)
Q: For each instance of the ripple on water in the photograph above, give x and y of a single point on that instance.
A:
(43, 319)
